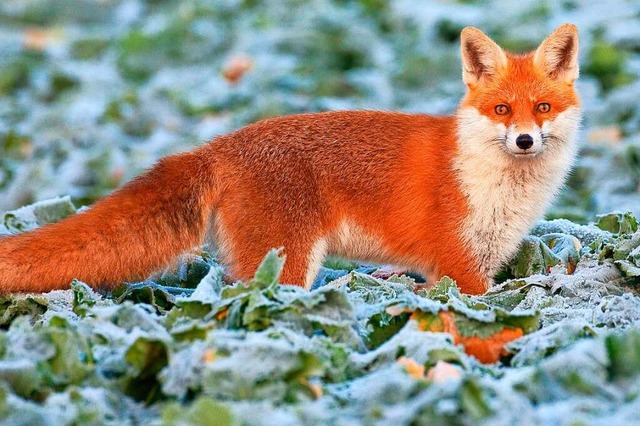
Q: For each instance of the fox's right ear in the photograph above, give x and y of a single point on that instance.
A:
(481, 56)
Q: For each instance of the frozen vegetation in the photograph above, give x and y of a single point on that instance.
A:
(92, 92)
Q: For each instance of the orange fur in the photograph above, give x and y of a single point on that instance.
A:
(377, 185)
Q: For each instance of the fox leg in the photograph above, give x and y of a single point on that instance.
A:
(469, 281)
(243, 246)
(470, 277)
(303, 260)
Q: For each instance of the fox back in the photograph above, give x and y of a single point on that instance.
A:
(442, 195)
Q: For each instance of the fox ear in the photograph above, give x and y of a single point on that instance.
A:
(481, 56)
(558, 54)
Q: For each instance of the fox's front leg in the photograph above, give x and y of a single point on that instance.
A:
(470, 281)
(468, 274)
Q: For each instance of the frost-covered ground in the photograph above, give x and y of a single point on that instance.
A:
(93, 92)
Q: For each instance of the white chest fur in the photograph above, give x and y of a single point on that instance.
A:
(506, 194)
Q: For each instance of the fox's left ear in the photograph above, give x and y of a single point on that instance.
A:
(558, 54)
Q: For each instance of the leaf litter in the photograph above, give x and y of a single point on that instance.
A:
(558, 342)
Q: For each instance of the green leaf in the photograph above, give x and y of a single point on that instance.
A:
(473, 400)
(204, 411)
(269, 271)
(21, 376)
(470, 327)
(628, 268)
(624, 355)
(382, 327)
(73, 360)
(441, 291)
(147, 356)
(12, 306)
(150, 293)
(534, 257)
(618, 223)
(83, 298)
(37, 214)
(53, 210)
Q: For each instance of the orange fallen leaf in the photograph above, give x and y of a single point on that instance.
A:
(487, 350)
(40, 38)
(209, 356)
(606, 135)
(315, 388)
(396, 310)
(412, 367)
(490, 349)
(236, 67)
(222, 314)
(443, 371)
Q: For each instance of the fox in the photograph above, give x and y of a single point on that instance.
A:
(442, 195)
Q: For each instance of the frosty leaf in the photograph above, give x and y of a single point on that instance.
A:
(565, 247)
(269, 270)
(37, 214)
(72, 361)
(21, 376)
(441, 290)
(14, 224)
(634, 256)
(12, 306)
(189, 272)
(148, 292)
(474, 400)
(628, 269)
(586, 234)
(531, 348)
(282, 377)
(534, 257)
(627, 248)
(83, 297)
(374, 290)
(204, 411)
(209, 288)
(200, 303)
(147, 356)
(618, 223)
(624, 355)
(508, 296)
(468, 327)
(53, 210)
(382, 326)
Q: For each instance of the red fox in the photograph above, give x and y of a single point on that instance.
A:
(443, 195)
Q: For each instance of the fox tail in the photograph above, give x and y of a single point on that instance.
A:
(125, 236)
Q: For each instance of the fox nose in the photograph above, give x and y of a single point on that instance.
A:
(524, 141)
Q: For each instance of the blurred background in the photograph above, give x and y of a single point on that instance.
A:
(94, 91)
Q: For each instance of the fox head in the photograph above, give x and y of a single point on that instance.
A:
(519, 105)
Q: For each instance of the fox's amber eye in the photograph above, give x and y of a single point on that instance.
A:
(502, 109)
(543, 107)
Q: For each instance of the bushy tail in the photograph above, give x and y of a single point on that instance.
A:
(125, 236)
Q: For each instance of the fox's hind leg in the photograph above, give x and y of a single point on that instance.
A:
(242, 246)
(303, 260)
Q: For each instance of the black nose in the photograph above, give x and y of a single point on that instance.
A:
(524, 141)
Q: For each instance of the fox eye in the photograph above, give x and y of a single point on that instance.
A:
(543, 107)
(502, 109)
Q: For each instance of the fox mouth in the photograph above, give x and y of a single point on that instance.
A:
(525, 154)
